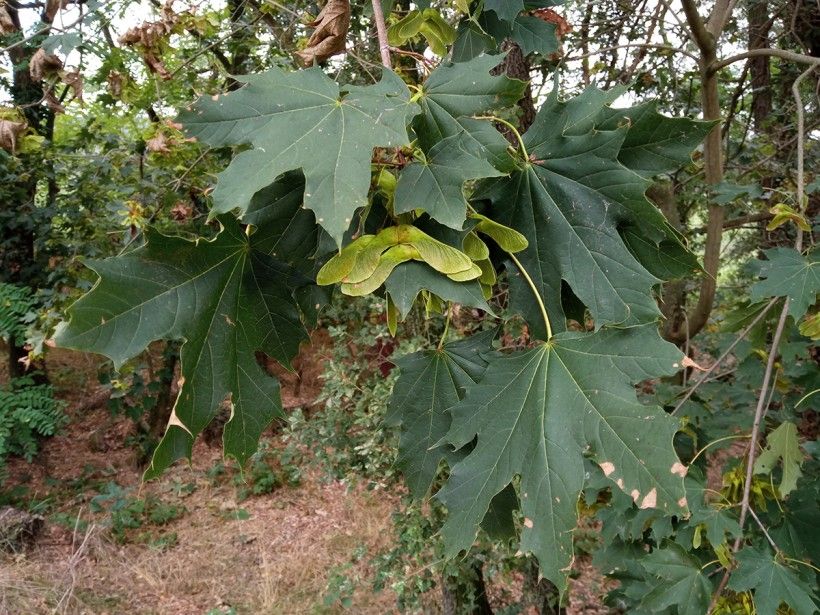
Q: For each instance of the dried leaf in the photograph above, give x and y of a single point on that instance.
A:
(50, 101)
(158, 144)
(52, 7)
(330, 34)
(562, 26)
(7, 25)
(74, 80)
(9, 131)
(115, 81)
(43, 65)
(148, 37)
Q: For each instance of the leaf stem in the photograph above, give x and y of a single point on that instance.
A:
(534, 292)
(511, 127)
(446, 326)
(713, 442)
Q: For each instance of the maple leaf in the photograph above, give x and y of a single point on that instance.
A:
(782, 444)
(303, 120)
(586, 215)
(430, 383)
(436, 183)
(409, 279)
(772, 582)
(681, 582)
(787, 273)
(535, 412)
(226, 299)
(453, 93)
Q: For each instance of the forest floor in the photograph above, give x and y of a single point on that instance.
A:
(190, 543)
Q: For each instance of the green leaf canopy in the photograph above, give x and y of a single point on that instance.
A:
(227, 299)
(535, 412)
(303, 120)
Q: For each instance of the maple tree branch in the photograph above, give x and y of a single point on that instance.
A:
(754, 53)
(381, 30)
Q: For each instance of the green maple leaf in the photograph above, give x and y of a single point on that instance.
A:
(654, 143)
(534, 414)
(772, 582)
(586, 215)
(681, 582)
(782, 444)
(453, 93)
(436, 184)
(533, 35)
(472, 41)
(715, 521)
(303, 120)
(505, 9)
(226, 299)
(787, 273)
(409, 279)
(431, 382)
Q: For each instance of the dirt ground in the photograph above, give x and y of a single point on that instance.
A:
(269, 554)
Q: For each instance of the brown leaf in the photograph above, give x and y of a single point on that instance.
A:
(52, 6)
(74, 80)
(158, 144)
(51, 101)
(562, 26)
(43, 65)
(182, 211)
(9, 131)
(330, 34)
(6, 22)
(115, 81)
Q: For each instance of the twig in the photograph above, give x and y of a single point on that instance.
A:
(535, 292)
(630, 45)
(381, 30)
(752, 53)
(725, 354)
(765, 532)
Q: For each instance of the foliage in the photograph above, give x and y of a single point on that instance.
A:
(28, 411)
(404, 187)
(16, 310)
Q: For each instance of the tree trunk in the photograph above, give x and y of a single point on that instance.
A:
(759, 25)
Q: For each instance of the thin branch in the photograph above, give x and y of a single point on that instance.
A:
(381, 30)
(725, 354)
(753, 53)
(629, 45)
(700, 35)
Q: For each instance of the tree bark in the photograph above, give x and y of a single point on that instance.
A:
(759, 25)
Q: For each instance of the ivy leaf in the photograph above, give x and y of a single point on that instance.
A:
(436, 184)
(303, 120)
(772, 582)
(409, 279)
(536, 411)
(782, 444)
(787, 273)
(683, 583)
(430, 383)
(453, 93)
(227, 299)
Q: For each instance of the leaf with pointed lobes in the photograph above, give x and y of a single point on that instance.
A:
(787, 273)
(303, 120)
(436, 184)
(782, 444)
(536, 412)
(226, 298)
(429, 384)
(773, 583)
